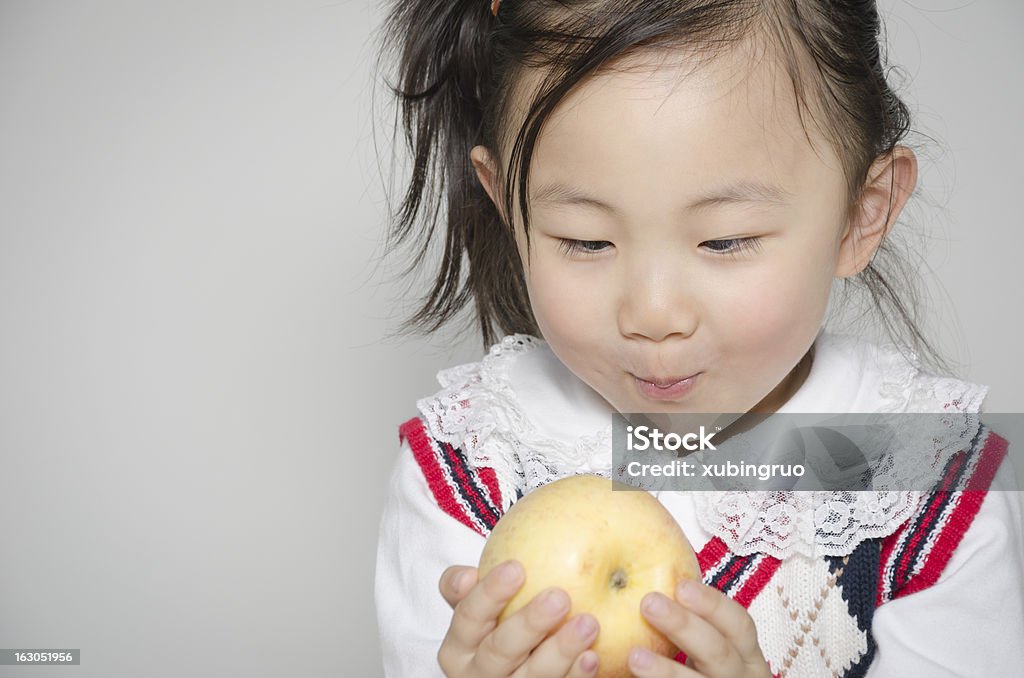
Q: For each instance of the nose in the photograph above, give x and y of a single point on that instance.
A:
(658, 301)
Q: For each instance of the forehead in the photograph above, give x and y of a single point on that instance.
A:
(659, 125)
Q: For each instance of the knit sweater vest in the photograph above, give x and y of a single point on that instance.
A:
(813, 615)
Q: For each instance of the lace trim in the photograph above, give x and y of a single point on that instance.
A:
(810, 523)
(478, 410)
(835, 523)
(907, 389)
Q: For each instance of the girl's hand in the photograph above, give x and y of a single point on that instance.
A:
(477, 646)
(716, 633)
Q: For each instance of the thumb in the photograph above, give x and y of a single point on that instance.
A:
(456, 582)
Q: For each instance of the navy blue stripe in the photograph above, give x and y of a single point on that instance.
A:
(858, 581)
(858, 585)
(724, 579)
(954, 472)
(456, 463)
(941, 500)
(957, 475)
(859, 669)
(472, 489)
(936, 504)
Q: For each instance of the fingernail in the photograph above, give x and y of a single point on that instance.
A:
(554, 601)
(655, 605)
(461, 582)
(589, 662)
(687, 592)
(640, 658)
(584, 626)
(510, 573)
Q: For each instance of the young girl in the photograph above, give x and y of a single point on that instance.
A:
(650, 200)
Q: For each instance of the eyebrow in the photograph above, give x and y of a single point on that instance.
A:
(737, 192)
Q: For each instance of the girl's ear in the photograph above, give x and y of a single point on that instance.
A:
(891, 180)
(486, 171)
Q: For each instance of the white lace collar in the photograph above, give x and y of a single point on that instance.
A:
(521, 412)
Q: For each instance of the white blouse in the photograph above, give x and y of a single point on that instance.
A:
(523, 413)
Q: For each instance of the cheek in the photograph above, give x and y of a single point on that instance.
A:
(779, 308)
(567, 304)
(572, 310)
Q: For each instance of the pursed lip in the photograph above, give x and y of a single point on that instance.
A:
(662, 382)
(655, 387)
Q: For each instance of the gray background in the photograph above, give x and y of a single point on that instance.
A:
(198, 410)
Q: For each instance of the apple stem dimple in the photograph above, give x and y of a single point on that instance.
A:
(619, 579)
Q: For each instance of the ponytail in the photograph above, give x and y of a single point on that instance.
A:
(445, 79)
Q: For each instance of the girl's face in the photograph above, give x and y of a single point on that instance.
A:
(683, 228)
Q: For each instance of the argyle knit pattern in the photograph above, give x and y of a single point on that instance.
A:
(813, 615)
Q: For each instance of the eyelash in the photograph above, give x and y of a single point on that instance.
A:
(570, 247)
(741, 245)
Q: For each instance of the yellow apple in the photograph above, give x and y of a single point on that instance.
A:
(606, 548)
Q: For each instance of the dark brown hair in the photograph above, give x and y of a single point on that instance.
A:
(459, 67)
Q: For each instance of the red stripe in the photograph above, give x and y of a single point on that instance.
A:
(757, 581)
(711, 554)
(900, 567)
(961, 518)
(991, 457)
(936, 502)
(458, 468)
(888, 544)
(727, 579)
(423, 450)
(950, 478)
(981, 478)
(490, 481)
(950, 535)
(903, 567)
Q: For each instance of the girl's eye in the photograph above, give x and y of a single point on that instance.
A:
(733, 245)
(569, 246)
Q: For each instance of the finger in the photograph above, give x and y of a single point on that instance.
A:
(456, 582)
(723, 613)
(705, 646)
(561, 654)
(645, 664)
(511, 643)
(476, 615)
(586, 665)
